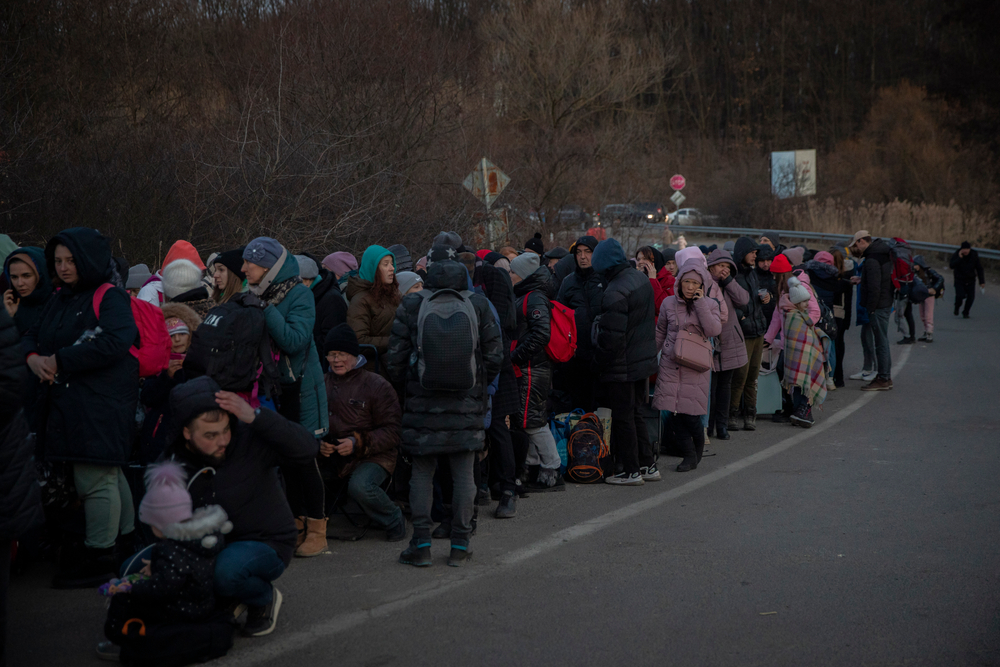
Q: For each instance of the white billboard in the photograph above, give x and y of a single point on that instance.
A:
(793, 173)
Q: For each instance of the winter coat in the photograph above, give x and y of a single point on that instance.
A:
(625, 345)
(89, 412)
(246, 483)
(731, 347)
(777, 327)
(29, 308)
(290, 324)
(564, 268)
(534, 321)
(966, 268)
(371, 321)
(20, 497)
(825, 281)
(181, 586)
(666, 280)
(198, 299)
(752, 315)
(876, 277)
(331, 309)
(678, 388)
(844, 297)
(363, 405)
(496, 286)
(932, 279)
(582, 291)
(436, 422)
(765, 280)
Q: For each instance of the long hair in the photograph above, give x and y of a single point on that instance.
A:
(384, 293)
(234, 285)
(838, 260)
(782, 280)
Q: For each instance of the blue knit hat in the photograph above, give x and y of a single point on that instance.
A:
(263, 251)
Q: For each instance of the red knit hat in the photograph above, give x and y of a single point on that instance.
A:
(781, 265)
(482, 253)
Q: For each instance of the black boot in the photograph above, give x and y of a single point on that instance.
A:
(699, 450)
(688, 464)
(721, 433)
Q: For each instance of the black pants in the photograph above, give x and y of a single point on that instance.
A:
(576, 378)
(839, 345)
(629, 435)
(519, 445)
(965, 291)
(690, 435)
(303, 483)
(502, 463)
(4, 583)
(908, 316)
(722, 389)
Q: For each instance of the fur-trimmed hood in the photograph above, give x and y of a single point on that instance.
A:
(182, 311)
(203, 530)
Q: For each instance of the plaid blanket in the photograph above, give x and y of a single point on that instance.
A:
(805, 360)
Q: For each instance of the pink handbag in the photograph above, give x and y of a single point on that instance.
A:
(692, 350)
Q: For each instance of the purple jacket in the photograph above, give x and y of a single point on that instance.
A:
(678, 388)
(732, 344)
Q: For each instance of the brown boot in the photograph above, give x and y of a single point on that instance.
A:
(315, 542)
(300, 526)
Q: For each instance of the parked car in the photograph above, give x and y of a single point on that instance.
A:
(622, 214)
(651, 212)
(686, 216)
(574, 215)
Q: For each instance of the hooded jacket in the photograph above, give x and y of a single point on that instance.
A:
(497, 287)
(534, 321)
(363, 405)
(583, 292)
(967, 269)
(30, 307)
(777, 326)
(331, 308)
(876, 277)
(371, 321)
(752, 316)
(678, 388)
(90, 409)
(436, 422)
(291, 324)
(732, 350)
(825, 280)
(625, 347)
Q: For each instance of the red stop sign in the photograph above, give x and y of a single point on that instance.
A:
(677, 182)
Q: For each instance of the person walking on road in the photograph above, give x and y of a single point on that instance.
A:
(967, 268)
(876, 297)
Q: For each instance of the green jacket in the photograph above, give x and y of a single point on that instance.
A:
(290, 324)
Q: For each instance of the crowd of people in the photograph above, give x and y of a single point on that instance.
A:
(261, 391)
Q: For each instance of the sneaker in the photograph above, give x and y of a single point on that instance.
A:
(830, 385)
(865, 376)
(965, 316)
(908, 340)
(926, 338)
(261, 620)
(803, 417)
(397, 533)
(878, 385)
(750, 423)
(519, 489)
(650, 473)
(626, 479)
(548, 480)
(507, 509)
(108, 651)
(734, 423)
(459, 556)
(417, 555)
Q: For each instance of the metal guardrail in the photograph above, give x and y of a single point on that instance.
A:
(841, 239)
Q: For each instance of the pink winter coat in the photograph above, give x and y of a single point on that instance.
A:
(777, 328)
(680, 389)
(732, 345)
(713, 290)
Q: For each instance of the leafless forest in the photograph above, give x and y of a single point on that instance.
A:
(332, 124)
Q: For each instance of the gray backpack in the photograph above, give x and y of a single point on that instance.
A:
(447, 340)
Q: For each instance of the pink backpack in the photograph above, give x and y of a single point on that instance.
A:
(153, 352)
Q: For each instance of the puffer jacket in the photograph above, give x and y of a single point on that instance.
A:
(765, 280)
(331, 308)
(496, 285)
(363, 405)
(678, 388)
(625, 347)
(582, 291)
(752, 317)
(372, 322)
(732, 349)
(825, 281)
(876, 277)
(436, 422)
(30, 307)
(20, 497)
(777, 328)
(534, 321)
(290, 324)
(91, 406)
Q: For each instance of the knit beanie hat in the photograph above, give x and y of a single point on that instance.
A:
(534, 244)
(137, 276)
(340, 263)
(440, 252)
(669, 254)
(451, 239)
(524, 265)
(263, 251)
(966, 245)
(192, 398)
(404, 262)
(307, 267)
(176, 325)
(795, 255)
(825, 257)
(764, 252)
(232, 260)
(797, 292)
(588, 241)
(180, 276)
(182, 250)
(729, 246)
(781, 265)
(167, 500)
(481, 254)
(342, 338)
(406, 280)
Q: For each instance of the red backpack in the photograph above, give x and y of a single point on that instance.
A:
(562, 331)
(153, 352)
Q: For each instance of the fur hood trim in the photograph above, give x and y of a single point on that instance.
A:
(182, 311)
(203, 524)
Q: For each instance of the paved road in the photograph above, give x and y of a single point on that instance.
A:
(871, 539)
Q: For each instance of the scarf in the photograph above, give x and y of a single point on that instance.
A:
(277, 292)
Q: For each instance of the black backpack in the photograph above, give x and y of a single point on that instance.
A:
(232, 347)
(827, 322)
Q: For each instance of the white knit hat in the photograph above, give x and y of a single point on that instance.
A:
(180, 275)
(797, 292)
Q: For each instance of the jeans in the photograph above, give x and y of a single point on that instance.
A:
(880, 328)
(107, 503)
(868, 346)
(745, 380)
(462, 499)
(542, 448)
(927, 314)
(964, 291)
(629, 434)
(365, 488)
(502, 462)
(722, 388)
(244, 571)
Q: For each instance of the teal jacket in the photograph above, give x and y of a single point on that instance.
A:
(290, 324)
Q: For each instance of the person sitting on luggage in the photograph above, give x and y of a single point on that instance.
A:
(364, 429)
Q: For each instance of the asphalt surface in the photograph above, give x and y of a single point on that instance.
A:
(871, 539)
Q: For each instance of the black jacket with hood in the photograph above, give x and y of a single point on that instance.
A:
(534, 321)
(29, 308)
(496, 285)
(968, 268)
(438, 422)
(876, 276)
(626, 331)
(89, 412)
(331, 308)
(752, 316)
(582, 291)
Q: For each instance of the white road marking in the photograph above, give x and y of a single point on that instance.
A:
(298, 639)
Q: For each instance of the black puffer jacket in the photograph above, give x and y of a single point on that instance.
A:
(582, 291)
(498, 289)
(331, 308)
(751, 316)
(436, 422)
(876, 277)
(20, 499)
(626, 331)
(534, 321)
(91, 406)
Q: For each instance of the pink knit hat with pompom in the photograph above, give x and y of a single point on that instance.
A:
(167, 499)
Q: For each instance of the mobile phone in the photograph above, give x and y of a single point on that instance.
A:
(177, 355)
